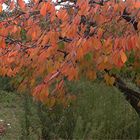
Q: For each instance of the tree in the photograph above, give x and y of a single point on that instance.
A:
(41, 46)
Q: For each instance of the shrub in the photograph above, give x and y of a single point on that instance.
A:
(5, 84)
(102, 112)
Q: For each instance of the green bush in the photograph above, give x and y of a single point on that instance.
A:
(101, 112)
(5, 84)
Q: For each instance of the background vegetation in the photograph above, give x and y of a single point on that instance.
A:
(99, 112)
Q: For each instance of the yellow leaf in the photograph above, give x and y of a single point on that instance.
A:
(110, 80)
(43, 95)
(137, 81)
(91, 75)
(32, 82)
(123, 57)
(138, 104)
(51, 102)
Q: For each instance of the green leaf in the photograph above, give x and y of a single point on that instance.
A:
(131, 58)
(61, 45)
(89, 56)
(23, 35)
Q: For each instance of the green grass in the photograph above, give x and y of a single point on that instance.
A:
(100, 112)
(11, 112)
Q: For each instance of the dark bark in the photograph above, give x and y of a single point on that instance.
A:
(130, 19)
(132, 96)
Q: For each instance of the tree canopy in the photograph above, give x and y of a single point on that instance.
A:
(42, 46)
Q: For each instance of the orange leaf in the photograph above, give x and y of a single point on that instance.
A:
(21, 4)
(100, 32)
(12, 5)
(15, 29)
(0, 7)
(80, 53)
(35, 1)
(2, 43)
(137, 5)
(43, 95)
(72, 73)
(62, 14)
(91, 75)
(123, 57)
(43, 9)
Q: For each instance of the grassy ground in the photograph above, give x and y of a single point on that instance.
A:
(13, 116)
(100, 112)
(11, 112)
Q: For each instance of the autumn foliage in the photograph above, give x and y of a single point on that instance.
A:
(44, 45)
